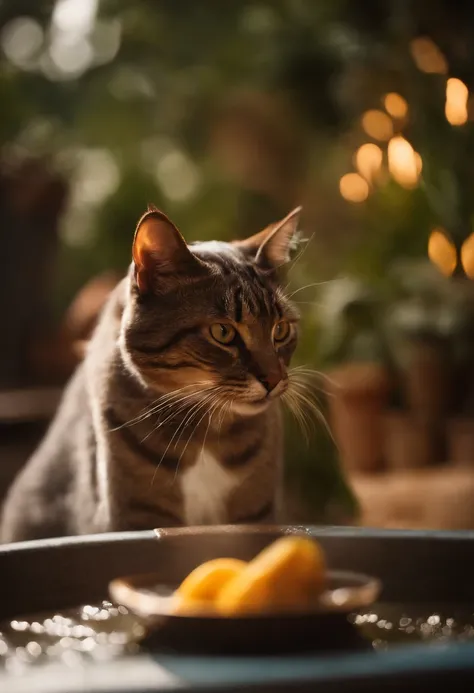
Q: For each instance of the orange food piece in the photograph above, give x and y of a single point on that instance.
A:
(204, 583)
(290, 573)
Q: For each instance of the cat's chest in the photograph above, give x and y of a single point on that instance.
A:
(206, 486)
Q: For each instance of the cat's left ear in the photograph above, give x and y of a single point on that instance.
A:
(160, 253)
(271, 247)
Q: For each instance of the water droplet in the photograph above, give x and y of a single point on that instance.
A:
(34, 649)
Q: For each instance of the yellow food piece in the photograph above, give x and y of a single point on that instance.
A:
(187, 607)
(205, 582)
(289, 573)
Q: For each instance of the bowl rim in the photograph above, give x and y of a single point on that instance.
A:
(215, 530)
(130, 591)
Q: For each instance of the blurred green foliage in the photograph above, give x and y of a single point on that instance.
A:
(226, 115)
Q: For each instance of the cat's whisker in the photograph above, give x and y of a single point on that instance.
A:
(305, 401)
(180, 427)
(183, 408)
(174, 399)
(313, 408)
(194, 412)
(303, 371)
(182, 404)
(229, 404)
(311, 371)
(295, 409)
(308, 423)
(309, 388)
(308, 286)
(157, 404)
(305, 303)
(209, 411)
(220, 417)
(302, 397)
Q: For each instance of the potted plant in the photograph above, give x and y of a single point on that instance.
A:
(354, 351)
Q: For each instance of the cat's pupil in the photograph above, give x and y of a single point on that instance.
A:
(222, 332)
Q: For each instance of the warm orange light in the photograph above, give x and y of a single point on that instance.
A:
(395, 105)
(418, 163)
(378, 125)
(427, 56)
(368, 160)
(457, 95)
(353, 187)
(442, 252)
(403, 162)
(467, 256)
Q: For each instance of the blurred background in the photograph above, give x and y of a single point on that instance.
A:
(226, 116)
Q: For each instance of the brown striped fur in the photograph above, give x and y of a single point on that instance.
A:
(161, 424)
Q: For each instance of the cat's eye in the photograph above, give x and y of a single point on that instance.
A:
(222, 332)
(281, 332)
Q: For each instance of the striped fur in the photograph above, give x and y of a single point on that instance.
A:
(161, 424)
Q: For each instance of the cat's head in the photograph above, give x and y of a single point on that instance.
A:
(211, 316)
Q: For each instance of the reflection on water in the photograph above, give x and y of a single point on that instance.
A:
(391, 624)
(104, 631)
(98, 632)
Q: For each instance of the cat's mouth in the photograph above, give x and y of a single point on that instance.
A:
(249, 407)
(257, 405)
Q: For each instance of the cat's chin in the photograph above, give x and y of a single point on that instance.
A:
(250, 408)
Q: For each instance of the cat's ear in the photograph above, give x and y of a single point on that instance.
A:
(159, 250)
(271, 247)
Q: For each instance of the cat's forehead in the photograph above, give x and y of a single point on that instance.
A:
(219, 253)
(241, 290)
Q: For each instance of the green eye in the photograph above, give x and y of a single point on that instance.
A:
(222, 332)
(281, 331)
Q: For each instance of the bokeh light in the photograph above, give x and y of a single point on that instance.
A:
(457, 95)
(353, 187)
(427, 56)
(21, 39)
(71, 16)
(467, 256)
(418, 163)
(378, 125)
(368, 160)
(395, 105)
(403, 163)
(177, 176)
(70, 58)
(442, 252)
(105, 40)
(97, 176)
(71, 52)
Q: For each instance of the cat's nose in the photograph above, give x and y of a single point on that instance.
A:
(270, 381)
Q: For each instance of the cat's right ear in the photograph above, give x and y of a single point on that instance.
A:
(159, 251)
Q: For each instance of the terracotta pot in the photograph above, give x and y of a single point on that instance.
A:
(460, 433)
(425, 380)
(358, 397)
(408, 443)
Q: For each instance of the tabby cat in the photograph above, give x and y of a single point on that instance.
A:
(173, 417)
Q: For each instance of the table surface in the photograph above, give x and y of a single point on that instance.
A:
(29, 404)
